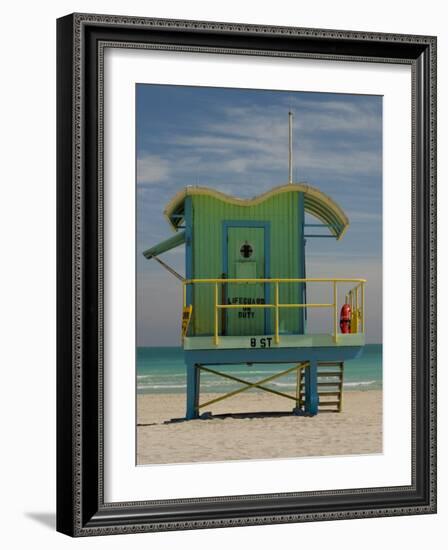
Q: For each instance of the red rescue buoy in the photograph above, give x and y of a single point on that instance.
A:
(346, 314)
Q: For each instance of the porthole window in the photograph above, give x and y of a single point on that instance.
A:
(246, 250)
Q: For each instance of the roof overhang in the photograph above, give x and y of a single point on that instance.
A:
(316, 203)
(164, 246)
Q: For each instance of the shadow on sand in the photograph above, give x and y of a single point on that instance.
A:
(224, 416)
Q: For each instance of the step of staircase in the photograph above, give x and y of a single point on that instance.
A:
(336, 385)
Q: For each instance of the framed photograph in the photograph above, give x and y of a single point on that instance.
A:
(246, 274)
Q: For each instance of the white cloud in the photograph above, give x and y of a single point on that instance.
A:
(366, 217)
(252, 140)
(152, 169)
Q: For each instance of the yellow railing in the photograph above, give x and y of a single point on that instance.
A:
(355, 298)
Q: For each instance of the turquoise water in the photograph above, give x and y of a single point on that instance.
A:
(162, 370)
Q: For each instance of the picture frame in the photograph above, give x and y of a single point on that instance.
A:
(81, 506)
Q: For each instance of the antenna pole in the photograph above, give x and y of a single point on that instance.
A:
(290, 117)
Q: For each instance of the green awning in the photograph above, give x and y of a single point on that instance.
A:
(164, 246)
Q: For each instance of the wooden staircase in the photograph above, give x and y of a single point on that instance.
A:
(330, 379)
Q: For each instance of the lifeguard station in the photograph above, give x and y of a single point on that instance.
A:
(245, 292)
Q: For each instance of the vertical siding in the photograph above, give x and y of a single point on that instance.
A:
(284, 214)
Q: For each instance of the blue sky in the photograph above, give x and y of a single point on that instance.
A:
(236, 141)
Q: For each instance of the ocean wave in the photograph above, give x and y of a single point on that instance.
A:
(204, 374)
(158, 375)
(161, 386)
(345, 385)
(224, 385)
(364, 383)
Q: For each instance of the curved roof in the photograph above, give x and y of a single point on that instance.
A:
(316, 203)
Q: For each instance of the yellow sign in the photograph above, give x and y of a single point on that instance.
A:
(186, 317)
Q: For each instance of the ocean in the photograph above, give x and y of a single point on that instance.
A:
(162, 370)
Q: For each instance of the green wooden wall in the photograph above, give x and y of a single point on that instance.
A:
(284, 214)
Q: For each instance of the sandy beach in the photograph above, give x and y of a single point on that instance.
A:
(356, 430)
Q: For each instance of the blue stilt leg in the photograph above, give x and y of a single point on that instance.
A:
(311, 393)
(192, 391)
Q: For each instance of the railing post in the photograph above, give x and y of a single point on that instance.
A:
(185, 293)
(335, 311)
(277, 336)
(216, 315)
(362, 308)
